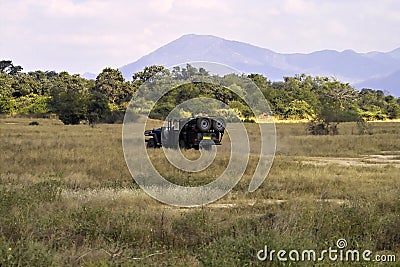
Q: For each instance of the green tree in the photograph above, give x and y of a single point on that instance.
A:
(44, 79)
(299, 109)
(338, 104)
(392, 108)
(71, 107)
(6, 66)
(146, 74)
(25, 84)
(8, 105)
(262, 83)
(372, 104)
(336, 99)
(6, 84)
(278, 98)
(97, 108)
(375, 105)
(112, 84)
(33, 104)
(69, 98)
(242, 109)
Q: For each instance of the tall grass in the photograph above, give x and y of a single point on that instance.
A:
(67, 198)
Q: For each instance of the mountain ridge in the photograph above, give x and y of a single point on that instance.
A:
(347, 65)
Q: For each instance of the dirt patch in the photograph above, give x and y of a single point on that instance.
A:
(393, 153)
(131, 197)
(242, 203)
(379, 160)
(335, 200)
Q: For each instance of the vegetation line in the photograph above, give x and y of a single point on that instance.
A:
(73, 99)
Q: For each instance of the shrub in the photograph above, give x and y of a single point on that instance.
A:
(24, 253)
(316, 127)
(249, 120)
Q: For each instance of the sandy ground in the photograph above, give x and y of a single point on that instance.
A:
(131, 196)
(384, 159)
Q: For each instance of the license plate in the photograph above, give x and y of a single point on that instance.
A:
(206, 137)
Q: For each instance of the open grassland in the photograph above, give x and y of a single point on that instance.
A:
(67, 198)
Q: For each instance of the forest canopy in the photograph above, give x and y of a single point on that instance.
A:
(105, 99)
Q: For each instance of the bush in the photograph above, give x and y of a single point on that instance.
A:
(98, 109)
(34, 123)
(364, 127)
(299, 109)
(316, 127)
(161, 111)
(33, 104)
(71, 107)
(249, 120)
(24, 253)
(115, 117)
(8, 105)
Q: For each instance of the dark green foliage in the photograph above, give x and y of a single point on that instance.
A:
(141, 77)
(246, 120)
(189, 91)
(69, 98)
(6, 66)
(98, 109)
(113, 86)
(71, 107)
(117, 116)
(161, 110)
(376, 106)
(105, 100)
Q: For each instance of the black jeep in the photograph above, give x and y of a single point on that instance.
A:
(188, 133)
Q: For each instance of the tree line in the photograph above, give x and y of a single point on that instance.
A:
(105, 99)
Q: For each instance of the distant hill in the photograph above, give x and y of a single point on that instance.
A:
(395, 53)
(89, 76)
(242, 56)
(376, 69)
(388, 83)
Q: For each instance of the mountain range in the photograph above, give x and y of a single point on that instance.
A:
(375, 70)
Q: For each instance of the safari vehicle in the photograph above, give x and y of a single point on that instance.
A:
(188, 133)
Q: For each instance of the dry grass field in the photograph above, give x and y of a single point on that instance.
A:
(68, 199)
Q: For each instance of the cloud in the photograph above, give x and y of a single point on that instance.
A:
(70, 9)
(298, 6)
(87, 35)
(161, 6)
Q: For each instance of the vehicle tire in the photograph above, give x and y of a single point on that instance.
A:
(204, 124)
(151, 143)
(219, 124)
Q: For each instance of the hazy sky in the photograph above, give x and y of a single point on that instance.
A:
(88, 35)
